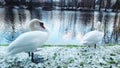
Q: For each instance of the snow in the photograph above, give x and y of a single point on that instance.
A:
(66, 57)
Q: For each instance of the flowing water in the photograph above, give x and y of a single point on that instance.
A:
(66, 27)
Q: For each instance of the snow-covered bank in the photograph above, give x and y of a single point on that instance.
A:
(66, 57)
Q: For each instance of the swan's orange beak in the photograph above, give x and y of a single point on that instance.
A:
(42, 25)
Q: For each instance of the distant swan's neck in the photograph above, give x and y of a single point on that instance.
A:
(99, 28)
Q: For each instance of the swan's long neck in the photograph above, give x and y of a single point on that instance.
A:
(99, 26)
(31, 26)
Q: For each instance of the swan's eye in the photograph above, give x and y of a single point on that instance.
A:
(41, 23)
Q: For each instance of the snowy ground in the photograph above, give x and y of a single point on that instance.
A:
(66, 57)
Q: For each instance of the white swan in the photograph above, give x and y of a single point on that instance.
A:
(93, 37)
(29, 41)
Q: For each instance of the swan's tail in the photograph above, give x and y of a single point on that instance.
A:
(82, 43)
(3, 54)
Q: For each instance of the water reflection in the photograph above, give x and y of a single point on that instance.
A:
(66, 27)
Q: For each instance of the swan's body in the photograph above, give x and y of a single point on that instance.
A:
(93, 37)
(29, 41)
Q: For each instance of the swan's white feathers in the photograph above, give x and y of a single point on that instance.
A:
(27, 42)
(92, 37)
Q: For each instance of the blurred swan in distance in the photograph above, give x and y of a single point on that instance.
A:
(29, 41)
(93, 37)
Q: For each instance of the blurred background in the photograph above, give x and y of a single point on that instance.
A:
(67, 20)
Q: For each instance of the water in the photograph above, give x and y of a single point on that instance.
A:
(66, 27)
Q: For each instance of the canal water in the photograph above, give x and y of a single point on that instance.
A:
(66, 27)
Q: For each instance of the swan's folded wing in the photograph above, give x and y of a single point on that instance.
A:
(30, 39)
(90, 35)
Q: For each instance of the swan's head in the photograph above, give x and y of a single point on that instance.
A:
(37, 25)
